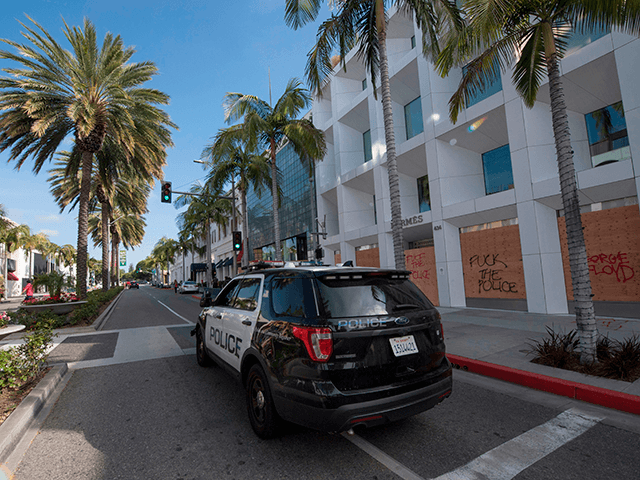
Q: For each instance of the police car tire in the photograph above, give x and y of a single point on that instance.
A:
(201, 354)
(262, 413)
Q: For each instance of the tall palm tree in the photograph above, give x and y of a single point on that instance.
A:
(270, 127)
(531, 36)
(363, 23)
(229, 157)
(91, 92)
(164, 251)
(204, 208)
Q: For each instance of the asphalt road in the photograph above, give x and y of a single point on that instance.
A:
(167, 418)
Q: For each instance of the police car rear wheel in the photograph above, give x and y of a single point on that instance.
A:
(262, 414)
(201, 354)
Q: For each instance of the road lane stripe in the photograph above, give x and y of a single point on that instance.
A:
(396, 467)
(511, 458)
(175, 313)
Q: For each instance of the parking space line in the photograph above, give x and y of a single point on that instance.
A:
(396, 467)
(175, 313)
(511, 458)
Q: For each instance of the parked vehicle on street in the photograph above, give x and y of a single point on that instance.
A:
(188, 287)
(134, 285)
(330, 348)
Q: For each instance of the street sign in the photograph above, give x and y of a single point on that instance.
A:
(123, 258)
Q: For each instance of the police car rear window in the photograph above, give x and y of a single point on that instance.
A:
(363, 295)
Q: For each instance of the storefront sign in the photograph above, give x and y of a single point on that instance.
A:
(415, 220)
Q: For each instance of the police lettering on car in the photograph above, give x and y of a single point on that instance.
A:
(225, 341)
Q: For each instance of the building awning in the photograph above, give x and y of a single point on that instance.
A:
(11, 276)
(219, 264)
(227, 262)
(198, 267)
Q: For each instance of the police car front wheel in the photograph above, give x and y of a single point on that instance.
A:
(201, 353)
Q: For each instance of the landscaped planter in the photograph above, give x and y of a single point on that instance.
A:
(57, 308)
(9, 329)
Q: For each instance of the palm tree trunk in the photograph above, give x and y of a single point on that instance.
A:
(585, 315)
(83, 223)
(390, 140)
(274, 193)
(208, 259)
(105, 246)
(245, 229)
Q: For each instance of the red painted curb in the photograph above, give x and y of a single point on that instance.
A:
(579, 391)
(196, 297)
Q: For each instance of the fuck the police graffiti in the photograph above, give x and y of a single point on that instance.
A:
(225, 341)
(491, 274)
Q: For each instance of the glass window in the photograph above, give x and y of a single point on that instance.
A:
(293, 297)
(577, 40)
(423, 194)
(607, 132)
(225, 299)
(366, 138)
(375, 211)
(413, 41)
(247, 296)
(364, 84)
(370, 295)
(498, 174)
(413, 118)
(481, 94)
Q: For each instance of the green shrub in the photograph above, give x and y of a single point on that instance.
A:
(20, 365)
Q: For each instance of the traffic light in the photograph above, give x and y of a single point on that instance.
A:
(165, 194)
(237, 241)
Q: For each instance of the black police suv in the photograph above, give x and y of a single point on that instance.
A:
(329, 348)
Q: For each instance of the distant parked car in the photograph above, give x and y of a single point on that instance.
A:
(188, 287)
(134, 285)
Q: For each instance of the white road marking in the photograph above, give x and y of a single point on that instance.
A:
(507, 460)
(175, 313)
(396, 467)
(511, 458)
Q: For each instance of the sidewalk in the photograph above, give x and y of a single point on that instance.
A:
(495, 343)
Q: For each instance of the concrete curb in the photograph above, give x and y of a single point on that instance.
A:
(578, 391)
(102, 318)
(14, 427)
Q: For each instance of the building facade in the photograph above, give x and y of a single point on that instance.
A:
(297, 212)
(482, 214)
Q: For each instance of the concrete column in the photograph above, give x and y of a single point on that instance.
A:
(446, 239)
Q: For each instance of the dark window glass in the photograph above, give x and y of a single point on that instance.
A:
(293, 297)
(498, 174)
(375, 211)
(486, 92)
(577, 40)
(371, 295)
(413, 41)
(225, 299)
(423, 194)
(364, 84)
(366, 139)
(607, 132)
(247, 296)
(413, 118)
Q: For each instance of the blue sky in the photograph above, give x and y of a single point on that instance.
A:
(202, 48)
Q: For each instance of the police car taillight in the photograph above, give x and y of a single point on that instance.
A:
(318, 341)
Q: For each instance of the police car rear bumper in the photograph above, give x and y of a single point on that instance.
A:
(295, 408)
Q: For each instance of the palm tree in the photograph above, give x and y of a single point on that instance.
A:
(270, 127)
(204, 208)
(531, 36)
(363, 23)
(163, 251)
(229, 157)
(91, 92)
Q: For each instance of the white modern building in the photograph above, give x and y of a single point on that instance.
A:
(481, 202)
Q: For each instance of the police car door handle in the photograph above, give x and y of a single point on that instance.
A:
(246, 322)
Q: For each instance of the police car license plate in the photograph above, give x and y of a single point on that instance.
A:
(403, 345)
